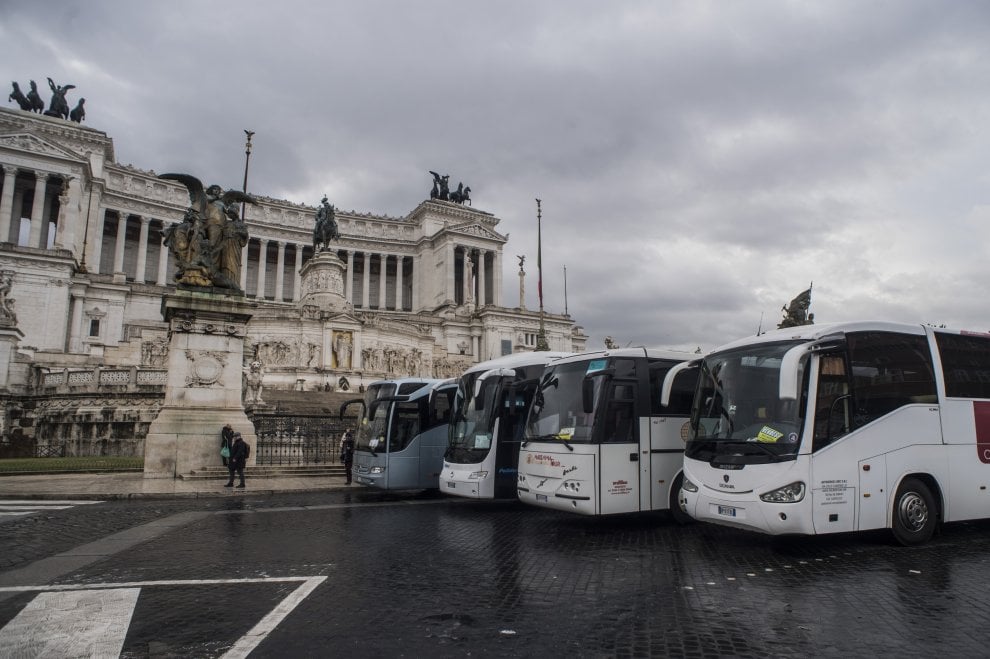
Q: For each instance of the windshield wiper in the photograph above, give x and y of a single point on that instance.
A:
(547, 438)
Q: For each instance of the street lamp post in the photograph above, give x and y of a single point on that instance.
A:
(247, 161)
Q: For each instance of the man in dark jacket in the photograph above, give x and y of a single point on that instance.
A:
(347, 453)
(238, 458)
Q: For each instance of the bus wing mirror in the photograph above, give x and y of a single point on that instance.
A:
(479, 402)
(348, 403)
(668, 380)
(789, 363)
(588, 388)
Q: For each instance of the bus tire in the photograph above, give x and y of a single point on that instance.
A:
(915, 514)
(679, 515)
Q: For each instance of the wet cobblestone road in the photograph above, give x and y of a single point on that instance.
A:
(420, 575)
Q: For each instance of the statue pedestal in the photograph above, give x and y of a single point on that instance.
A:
(10, 336)
(203, 390)
(323, 282)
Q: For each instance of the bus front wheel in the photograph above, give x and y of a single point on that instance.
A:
(915, 514)
(678, 513)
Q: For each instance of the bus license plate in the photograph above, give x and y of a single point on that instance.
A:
(727, 511)
(450, 484)
(541, 497)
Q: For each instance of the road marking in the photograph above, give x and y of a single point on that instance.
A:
(97, 614)
(83, 623)
(16, 507)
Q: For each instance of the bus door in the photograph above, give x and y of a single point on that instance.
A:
(622, 444)
(510, 423)
(434, 438)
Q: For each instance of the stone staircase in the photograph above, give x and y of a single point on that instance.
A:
(268, 471)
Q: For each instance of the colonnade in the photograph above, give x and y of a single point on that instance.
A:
(128, 246)
(42, 207)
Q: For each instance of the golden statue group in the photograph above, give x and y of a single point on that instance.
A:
(207, 243)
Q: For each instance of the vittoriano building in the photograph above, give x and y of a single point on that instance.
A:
(83, 274)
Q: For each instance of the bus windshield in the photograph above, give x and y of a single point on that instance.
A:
(738, 416)
(474, 419)
(371, 431)
(558, 408)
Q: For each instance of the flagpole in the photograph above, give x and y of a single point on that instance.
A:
(541, 335)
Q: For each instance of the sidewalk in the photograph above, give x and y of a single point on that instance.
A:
(135, 485)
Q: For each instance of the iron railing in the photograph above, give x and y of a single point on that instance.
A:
(301, 439)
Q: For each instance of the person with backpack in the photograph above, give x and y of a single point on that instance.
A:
(239, 452)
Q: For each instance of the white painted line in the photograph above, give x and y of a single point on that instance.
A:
(148, 584)
(4, 506)
(45, 502)
(247, 643)
(26, 512)
(75, 605)
(84, 623)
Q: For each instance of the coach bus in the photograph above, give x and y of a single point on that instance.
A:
(402, 433)
(490, 409)
(842, 427)
(598, 441)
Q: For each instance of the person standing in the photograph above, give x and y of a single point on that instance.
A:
(226, 442)
(239, 452)
(347, 453)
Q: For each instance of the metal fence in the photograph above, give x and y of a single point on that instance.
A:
(298, 439)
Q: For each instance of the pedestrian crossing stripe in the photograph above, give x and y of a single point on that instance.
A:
(94, 618)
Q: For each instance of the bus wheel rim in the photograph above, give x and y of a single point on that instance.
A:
(913, 511)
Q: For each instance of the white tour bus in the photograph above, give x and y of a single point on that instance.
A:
(842, 427)
(597, 440)
(402, 433)
(490, 409)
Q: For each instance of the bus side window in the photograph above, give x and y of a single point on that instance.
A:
(620, 418)
(833, 409)
(405, 425)
(441, 407)
(889, 370)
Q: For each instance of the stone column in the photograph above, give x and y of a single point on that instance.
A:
(244, 266)
(75, 332)
(262, 267)
(497, 278)
(118, 250)
(142, 252)
(349, 277)
(482, 284)
(162, 262)
(297, 275)
(96, 240)
(68, 231)
(38, 209)
(451, 287)
(366, 281)
(382, 277)
(7, 201)
(399, 259)
(280, 271)
(415, 284)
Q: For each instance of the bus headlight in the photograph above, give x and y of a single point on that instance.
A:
(788, 494)
(478, 474)
(378, 470)
(688, 486)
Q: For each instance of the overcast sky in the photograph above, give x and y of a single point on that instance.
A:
(699, 163)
